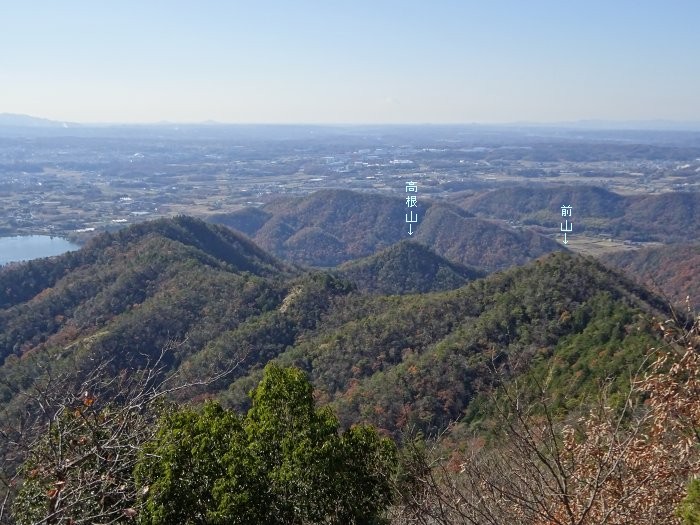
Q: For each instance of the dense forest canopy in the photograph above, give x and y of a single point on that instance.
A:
(405, 344)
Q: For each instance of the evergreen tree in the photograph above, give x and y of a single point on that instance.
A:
(284, 462)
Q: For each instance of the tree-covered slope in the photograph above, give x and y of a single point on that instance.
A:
(481, 243)
(423, 359)
(211, 299)
(213, 245)
(406, 267)
(539, 202)
(330, 227)
(666, 217)
(326, 228)
(671, 270)
(247, 220)
(131, 294)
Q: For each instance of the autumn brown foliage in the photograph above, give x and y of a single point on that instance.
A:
(617, 466)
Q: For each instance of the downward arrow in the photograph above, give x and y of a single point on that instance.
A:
(565, 241)
(410, 229)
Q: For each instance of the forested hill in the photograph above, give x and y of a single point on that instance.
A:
(484, 244)
(671, 270)
(406, 267)
(422, 361)
(330, 227)
(144, 247)
(211, 298)
(127, 294)
(542, 202)
(325, 228)
(665, 217)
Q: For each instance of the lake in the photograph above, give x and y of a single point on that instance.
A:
(26, 247)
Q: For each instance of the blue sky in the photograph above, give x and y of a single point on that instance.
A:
(357, 61)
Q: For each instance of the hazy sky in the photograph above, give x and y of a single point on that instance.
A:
(351, 61)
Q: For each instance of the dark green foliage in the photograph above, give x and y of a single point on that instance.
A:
(605, 348)
(407, 267)
(285, 462)
(689, 510)
(187, 471)
(421, 360)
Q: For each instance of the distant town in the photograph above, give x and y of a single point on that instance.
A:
(75, 182)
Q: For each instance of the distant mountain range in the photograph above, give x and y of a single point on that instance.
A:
(330, 227)
(22, 120)
(25, 121)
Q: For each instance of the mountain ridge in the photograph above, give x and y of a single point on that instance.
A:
(664, 217)
(419, 359)
(331, 227)
(27, 121)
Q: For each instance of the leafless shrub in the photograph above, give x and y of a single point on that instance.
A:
(69, 451)
(613, 466)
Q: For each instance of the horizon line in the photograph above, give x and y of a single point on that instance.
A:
(625, 124)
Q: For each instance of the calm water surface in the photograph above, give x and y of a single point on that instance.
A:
(26, 247)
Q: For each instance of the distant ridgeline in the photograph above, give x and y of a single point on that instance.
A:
(666, 217)
(330, 227)
(212, 297)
